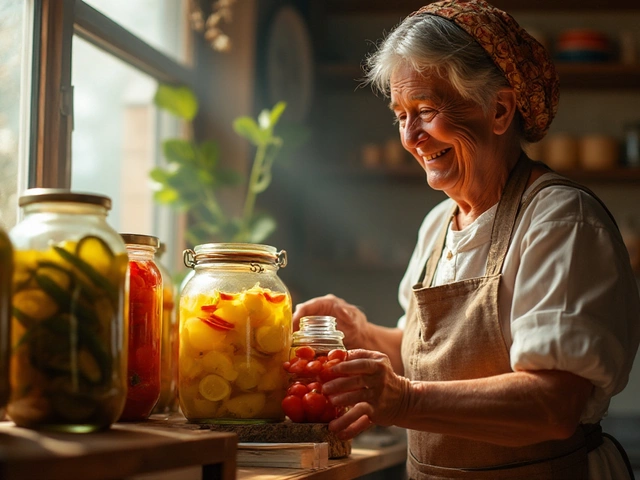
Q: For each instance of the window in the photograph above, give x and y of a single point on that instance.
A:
(96, 66)
(14, 95)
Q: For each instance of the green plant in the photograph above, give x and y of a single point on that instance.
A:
(193, 177)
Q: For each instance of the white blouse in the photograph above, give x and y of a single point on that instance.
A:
(568, 297)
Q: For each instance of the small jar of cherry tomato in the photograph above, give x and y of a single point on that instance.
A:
(235, 334)
(145, 327)
(317, 346)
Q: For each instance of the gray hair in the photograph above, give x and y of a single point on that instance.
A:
(433, 44)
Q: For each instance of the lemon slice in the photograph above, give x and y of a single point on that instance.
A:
(214, 388)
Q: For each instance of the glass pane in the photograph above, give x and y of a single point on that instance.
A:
(157, 22)
(115, 139)
(12, 85)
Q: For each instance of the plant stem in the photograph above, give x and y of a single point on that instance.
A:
(250, 201)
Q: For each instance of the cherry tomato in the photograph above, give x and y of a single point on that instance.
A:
(292, 407)
(305, 352)
(299, 367)
(314, 405)
(286, 366)
(326, 374)
(337, 355)
(314, 367)
(330, 413)
(298, 389)
(317, 386)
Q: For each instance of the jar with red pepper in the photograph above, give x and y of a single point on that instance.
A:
(317, 346)
(145, 327)
(235, 333)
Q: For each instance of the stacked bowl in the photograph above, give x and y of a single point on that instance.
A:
(583, 45)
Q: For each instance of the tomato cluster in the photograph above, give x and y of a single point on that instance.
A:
(304, 401)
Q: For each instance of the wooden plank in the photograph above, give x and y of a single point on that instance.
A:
(283, 455)
(122, 451)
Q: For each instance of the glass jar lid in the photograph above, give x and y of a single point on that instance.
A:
(234, 253)
(138, 239)
(39, 195)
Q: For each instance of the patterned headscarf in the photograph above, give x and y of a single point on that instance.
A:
(525, 63)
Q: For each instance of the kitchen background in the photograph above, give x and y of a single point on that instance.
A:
(350, 202)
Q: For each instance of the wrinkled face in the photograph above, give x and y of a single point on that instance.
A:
(449, 136)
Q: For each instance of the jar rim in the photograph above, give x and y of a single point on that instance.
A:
(139, 239)
(234, 252)
(40, 195)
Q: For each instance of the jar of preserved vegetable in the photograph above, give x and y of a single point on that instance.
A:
(68, 368)
(317, 346)
(235, 333)
(168, 401)
(6, 271)
(145, 327)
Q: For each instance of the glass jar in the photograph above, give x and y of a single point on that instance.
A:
(168, 401)
(68, 367)
(235, 334)
(317, 346)
(145, 327)
(6, 271)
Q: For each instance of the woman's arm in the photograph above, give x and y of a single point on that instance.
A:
(513, 409)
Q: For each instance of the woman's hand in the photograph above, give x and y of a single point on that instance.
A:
(349, 318)
(372, 390)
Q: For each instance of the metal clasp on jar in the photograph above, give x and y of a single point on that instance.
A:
(189, 258)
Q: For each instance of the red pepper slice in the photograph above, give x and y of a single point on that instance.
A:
(227, 296)
(209, 308)
(277, 298)
(216, 322)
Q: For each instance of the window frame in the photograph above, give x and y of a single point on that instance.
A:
(55, 24)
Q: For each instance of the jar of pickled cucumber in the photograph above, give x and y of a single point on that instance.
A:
(68, 367)
(6, 271)
(145, 327)
(317, 346)
(168, 401)
(235, 334)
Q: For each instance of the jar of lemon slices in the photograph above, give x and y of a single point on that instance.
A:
(68, 364)
(235, 334)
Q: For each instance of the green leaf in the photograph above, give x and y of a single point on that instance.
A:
(276, 112)
(247, 128)
(180, 151)
(179, 101)
(261, 228)
(166, 196)
(208, 154)
(225, 177)
(159, 175)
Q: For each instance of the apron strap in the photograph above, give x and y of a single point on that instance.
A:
(564, 182)
(506, 214)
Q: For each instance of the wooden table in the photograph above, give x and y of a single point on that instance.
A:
(361, 462)
(125, 450)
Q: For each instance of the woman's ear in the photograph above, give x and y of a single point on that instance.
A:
(505, 110)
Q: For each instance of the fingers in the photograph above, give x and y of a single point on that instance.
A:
(353, 422)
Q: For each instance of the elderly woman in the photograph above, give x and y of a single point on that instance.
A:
(521, 311)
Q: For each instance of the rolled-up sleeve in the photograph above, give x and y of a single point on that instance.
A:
(575, 302)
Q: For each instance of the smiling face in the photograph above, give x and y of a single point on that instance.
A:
(452, 138)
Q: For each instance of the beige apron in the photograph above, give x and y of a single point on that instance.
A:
(453, 333)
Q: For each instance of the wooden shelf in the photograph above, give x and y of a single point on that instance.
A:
(574, 76)
(404, 7)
